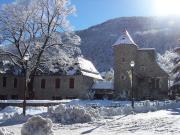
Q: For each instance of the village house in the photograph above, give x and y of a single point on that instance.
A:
(75, 84)
(149, 80)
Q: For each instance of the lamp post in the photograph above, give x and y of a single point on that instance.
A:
(132, 64)
(26, 59)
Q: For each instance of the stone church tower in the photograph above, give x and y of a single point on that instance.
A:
(124, 52)
(149, 81)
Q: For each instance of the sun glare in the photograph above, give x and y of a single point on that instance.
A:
(167, 7)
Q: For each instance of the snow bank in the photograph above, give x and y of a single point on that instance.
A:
(114, 111)
(11, 109)
(16, 112)
(140, 107)
(69, 114)
(15, 117)
(80, 113)
(7, 116)
(37, 125)
(4, 131)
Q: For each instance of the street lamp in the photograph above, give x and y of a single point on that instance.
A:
(26, 59)
(132, 64)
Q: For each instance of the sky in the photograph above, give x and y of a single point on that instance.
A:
(92, 12)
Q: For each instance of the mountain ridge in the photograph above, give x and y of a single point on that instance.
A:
(161, 33)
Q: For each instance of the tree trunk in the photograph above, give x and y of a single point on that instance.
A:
(31, 84)
(30, 88)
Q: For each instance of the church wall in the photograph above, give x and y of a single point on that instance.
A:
(146, 71)
(123, 55)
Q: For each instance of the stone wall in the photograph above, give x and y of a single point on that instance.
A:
(123, 55)
(9, 91)
(146, 72)
(81, 86)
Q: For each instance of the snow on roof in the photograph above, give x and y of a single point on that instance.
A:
(96, 76)
(125, 38)
(71, 72)
(146, 49)
(103, 85)
(88, 69)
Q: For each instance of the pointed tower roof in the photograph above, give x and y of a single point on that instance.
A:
(125, 39)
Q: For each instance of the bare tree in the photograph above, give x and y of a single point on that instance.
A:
(37, 28)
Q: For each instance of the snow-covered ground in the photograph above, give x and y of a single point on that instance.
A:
(159, 118)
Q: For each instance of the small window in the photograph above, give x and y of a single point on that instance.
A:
(57, 83)
(4, 81)
(14, 97)
(154, 83)
(71, 83)
(43, 84)
(142, 68)
(157, 83)
(123, 77)
(15, 82)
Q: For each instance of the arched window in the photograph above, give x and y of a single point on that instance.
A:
(123, 77)
(71, 83)
(4, 81)
(43, 83)
(15, 82)
(57, 83)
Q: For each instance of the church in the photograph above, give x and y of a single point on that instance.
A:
(145, 78)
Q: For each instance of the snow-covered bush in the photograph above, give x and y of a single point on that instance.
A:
(109, 75)
(4, 131)
(166, 60)
(72, 114)
(37, 125)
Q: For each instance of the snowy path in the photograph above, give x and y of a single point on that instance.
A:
(160, 122)
(166, 122)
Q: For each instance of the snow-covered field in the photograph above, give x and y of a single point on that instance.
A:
(78, 118)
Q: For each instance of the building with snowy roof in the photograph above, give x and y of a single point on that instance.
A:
(149, 80)
(76, 83)
(103, 89)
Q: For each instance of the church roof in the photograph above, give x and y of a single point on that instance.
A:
(88, 69)
(124, 39)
